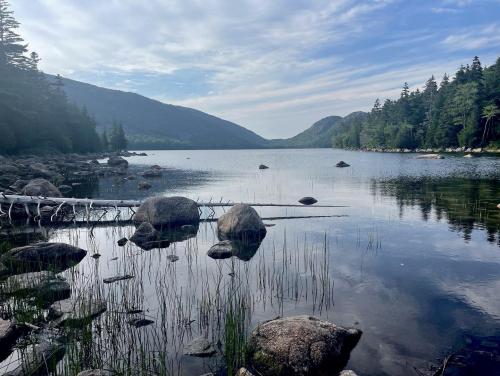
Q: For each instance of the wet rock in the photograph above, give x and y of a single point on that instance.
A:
(118, 278)
(117, 162)
(241, 222)
(468, 156)
(9, 332)
(43, 256)
(244, 372)
(263, 167)
(221, 250)
(342, 164)
(145, 236)
(173, 258)
(347, 372)
(430, 156)
(41, 187)
(76, 312)
(18, 185)
(300, 345)
(39, 359)
(199, 347)
(308, 200)
(152, 173)
(95, 372)
(168, 211)
(143, 185)
(140, 322)
(121, 242)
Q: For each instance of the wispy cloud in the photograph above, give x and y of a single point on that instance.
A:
(275, 67)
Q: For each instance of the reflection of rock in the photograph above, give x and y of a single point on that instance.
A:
(147, 237)
(199, 347)
(168, 211)
(43, 256)
(228, 248)
(117, 162)
(76, 312)
(117, 278)
(39, 359)
(241, 222)
(8, 335)
(300, 345)
(308, 200)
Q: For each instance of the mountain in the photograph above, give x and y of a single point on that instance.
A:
(320, 134)
(150, 124)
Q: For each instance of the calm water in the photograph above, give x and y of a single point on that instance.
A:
(413, 259)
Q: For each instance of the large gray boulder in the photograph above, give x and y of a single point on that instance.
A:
(42, 256)
(41, 187)
(117, 162)
(241, 222)
(39, 359)
(300, 345)
(168, 211)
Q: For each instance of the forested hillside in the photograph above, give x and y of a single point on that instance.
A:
(35, 115)
(463, 111)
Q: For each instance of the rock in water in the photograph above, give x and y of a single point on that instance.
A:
(39, 359)
(244, 372)
(263, 167)
(244, 250)
(121, 242)
(241, 222)
(173, 258)
(308, 200)
(300, 345)
(118, 278)
(199, 347)
(147, 237)
(9, 332)
(117, 162)
(41, 187)
(430, 156)
(168, 211)
(76, 312)
(143, 185)
(43, 256)
(138, 323)
(342, 164)
(221, 250)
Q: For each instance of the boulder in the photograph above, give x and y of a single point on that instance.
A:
(117, 162)
(168, 211)
(263, 167)
(42, 256)
(152, 173)
(18, 185)
(121, 242)
(300, 345)
(308, 200)
(41, 187)
(9, 332)
(143, 185)
(199, 347)
(241, 222)
(76, 312)
(342, 164)
(39, 359)
(221, 250)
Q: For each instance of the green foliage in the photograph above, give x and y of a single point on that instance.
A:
(462, 112)
(117, 140)
(34, 112)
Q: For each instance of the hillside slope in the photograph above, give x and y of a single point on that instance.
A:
(151, 124)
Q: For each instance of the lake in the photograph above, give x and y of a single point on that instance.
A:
(411, 257)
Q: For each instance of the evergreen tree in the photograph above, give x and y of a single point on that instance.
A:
(12, 48)
(117, 140)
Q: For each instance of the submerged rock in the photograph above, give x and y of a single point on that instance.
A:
(241, 222)
(300, 345)
(39, 359)
(43, 256)
(199, 347)
(342, 164)
(308, 200)
(41, 187)
(118, 278)
(168, 211)
(76, 312)
(45, 286)
(140, 322)
(147, 237)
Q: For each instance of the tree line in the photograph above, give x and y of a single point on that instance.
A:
(35, 114)
(461, 112)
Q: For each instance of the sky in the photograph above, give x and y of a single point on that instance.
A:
(274, 67)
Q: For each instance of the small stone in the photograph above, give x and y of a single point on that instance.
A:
(140, 322)
(118, 278)
(172, 258)
(263, 167)
(308, 200)
(342, 164)
(96, 255)
(121, 242)
(200, 347)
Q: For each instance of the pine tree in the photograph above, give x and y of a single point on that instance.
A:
(12, 48)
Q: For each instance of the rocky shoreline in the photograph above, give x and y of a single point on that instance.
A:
(430, 150)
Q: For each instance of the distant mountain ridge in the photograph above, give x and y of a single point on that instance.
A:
(150, 124)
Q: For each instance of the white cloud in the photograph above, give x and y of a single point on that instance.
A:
(488, 36)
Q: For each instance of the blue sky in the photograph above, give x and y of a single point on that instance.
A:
(274, 67)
